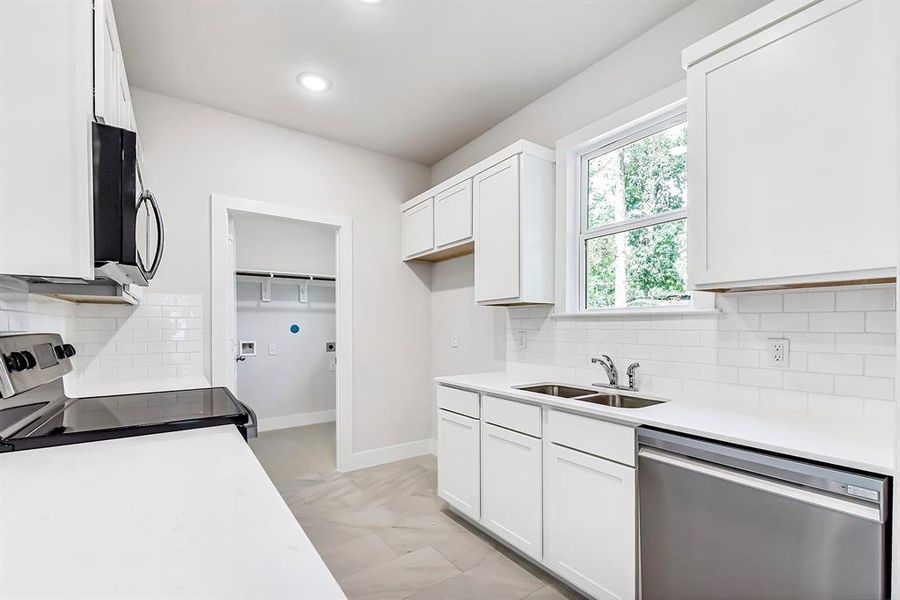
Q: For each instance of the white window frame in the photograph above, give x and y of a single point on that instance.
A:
(643, 118)
(634, 133)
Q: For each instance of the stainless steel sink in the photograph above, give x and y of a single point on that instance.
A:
(555, 389)
(619, 401)
(593, 396)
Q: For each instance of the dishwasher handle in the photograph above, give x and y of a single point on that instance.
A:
(771, 486)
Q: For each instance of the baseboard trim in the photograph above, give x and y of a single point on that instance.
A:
(297, 420)
(388, 454)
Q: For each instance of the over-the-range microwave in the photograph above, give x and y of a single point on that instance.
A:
(129, 236)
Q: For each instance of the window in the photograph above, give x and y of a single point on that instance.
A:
(633, 232)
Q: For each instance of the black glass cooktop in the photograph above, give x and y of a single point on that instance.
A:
(70, 421)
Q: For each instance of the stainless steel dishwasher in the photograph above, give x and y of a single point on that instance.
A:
(724, 522)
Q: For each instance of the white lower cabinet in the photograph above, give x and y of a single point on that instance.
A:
(563, 494)
(511, 503)
(459, 460)
(589, 522)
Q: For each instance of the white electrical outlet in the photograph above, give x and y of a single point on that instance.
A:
(272, 350)
(521, 340)
(454, 341)
(779, 351)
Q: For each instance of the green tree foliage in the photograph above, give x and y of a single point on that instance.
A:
(644, 178)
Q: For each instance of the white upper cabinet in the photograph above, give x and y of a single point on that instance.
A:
(45, 139)
(793, 145)
(502, 209)
(112, 98)
(514, 243)
(418, 228)
(453, 215)
(497, 263)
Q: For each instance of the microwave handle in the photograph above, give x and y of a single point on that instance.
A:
(148, 196)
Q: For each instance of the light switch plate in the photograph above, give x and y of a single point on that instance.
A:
(454, 341)
(272, 350)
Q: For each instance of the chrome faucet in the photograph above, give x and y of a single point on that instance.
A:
(611, 372)
(630, 372)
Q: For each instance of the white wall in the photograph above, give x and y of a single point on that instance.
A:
(191, 151)
(271, 244)
(296, 385)
(647, 64)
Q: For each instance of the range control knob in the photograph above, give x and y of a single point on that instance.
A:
(16, 362)
(30, 362)
(68, 350)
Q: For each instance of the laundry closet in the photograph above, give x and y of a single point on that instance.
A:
(285, 312)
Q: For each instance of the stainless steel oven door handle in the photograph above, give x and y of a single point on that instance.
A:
(770, 486)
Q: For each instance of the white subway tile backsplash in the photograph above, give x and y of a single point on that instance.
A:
(784, 322)
(882, 298)
(809, 302)
(809, 382)
(880, 366)
(151, 340)
(881, 322)
(844, 364)
(760, 303)
(842, 354)
(837, 321)
(866, 343)
(867, 387)
(764, 378)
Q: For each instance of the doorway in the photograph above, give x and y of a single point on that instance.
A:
(282, 325)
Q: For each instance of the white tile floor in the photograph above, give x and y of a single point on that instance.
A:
(385, 534)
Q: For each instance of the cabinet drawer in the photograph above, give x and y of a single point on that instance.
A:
(518, 416)
(600, 438)
(458, 401)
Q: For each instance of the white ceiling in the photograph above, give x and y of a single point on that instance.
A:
(415, 79)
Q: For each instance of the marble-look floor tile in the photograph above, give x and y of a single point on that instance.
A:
(498, 578)
(413, 533)
(357, 555)
(555, 592)
(386, 535)
(400, 577)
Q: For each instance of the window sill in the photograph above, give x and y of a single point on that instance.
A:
(664, 311)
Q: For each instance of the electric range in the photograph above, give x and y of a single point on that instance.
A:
(36, 413)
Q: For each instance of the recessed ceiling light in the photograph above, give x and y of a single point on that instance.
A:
(371, 1)
(313, 82)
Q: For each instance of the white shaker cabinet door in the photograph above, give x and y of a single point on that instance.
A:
(792, 137)
(497, 251)
(590, 522)
(46, 224)
(453, 214)
(459, 453)
(511, 501)
(418, 228)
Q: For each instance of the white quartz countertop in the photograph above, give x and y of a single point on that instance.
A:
(864, 443)
(189, 514)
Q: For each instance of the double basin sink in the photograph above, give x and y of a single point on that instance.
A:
(611, 398)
